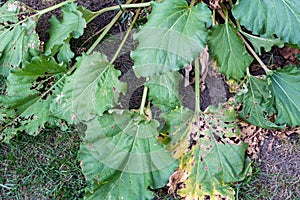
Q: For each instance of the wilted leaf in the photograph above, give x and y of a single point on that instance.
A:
(269, 17)
(285, 87)
(19, 42)
(261, 42)
(91, 90)
(174, 35)
(215, 160)
(72, 25)
(256, 103)
(29, 93)
(122, 159)
(164, 91)
(229, 50)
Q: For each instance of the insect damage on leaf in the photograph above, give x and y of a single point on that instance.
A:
(29, 94)
(19, 40)
(214, 158)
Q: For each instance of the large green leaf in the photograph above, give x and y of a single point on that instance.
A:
(122, 159)
(19, 42)
(174, 35)
(261, 42)
(229, 50)
(29, 93)
(91, 90)
(256, 100)
(285, 85)
(216, 159)
(72, 25)
(269, 17)
(164, 91)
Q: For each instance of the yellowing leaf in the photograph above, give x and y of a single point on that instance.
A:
(215, 156)
(178, 129)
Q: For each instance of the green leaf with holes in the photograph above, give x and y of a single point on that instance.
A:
(228, 49)
(270, 17)
(19, 42)
(216, 159)
(71, 26)
(29, 94)
(9, 14)
(173, 36)
(164, 91)
(177, 129)
(122, 159)
(256, 101)
(261, 42)
(91, 90)
(285, 88)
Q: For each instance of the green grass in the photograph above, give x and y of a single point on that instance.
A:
(41, 167)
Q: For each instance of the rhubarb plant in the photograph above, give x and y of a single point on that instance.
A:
(128, 153)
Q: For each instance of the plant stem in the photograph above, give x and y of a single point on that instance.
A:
(230, 3)
(44, 11)
(197, 85)
(262, 64)
(126, 35)
(192, 3)
(118, 7)
(108, 27)
(265, 68)
(145, 92)
(213, 18)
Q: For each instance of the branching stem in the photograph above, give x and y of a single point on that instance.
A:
(44, 11)
(126, 35)
(108, 27)
(118, 7)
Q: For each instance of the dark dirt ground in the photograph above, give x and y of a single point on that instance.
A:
(276, 173)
